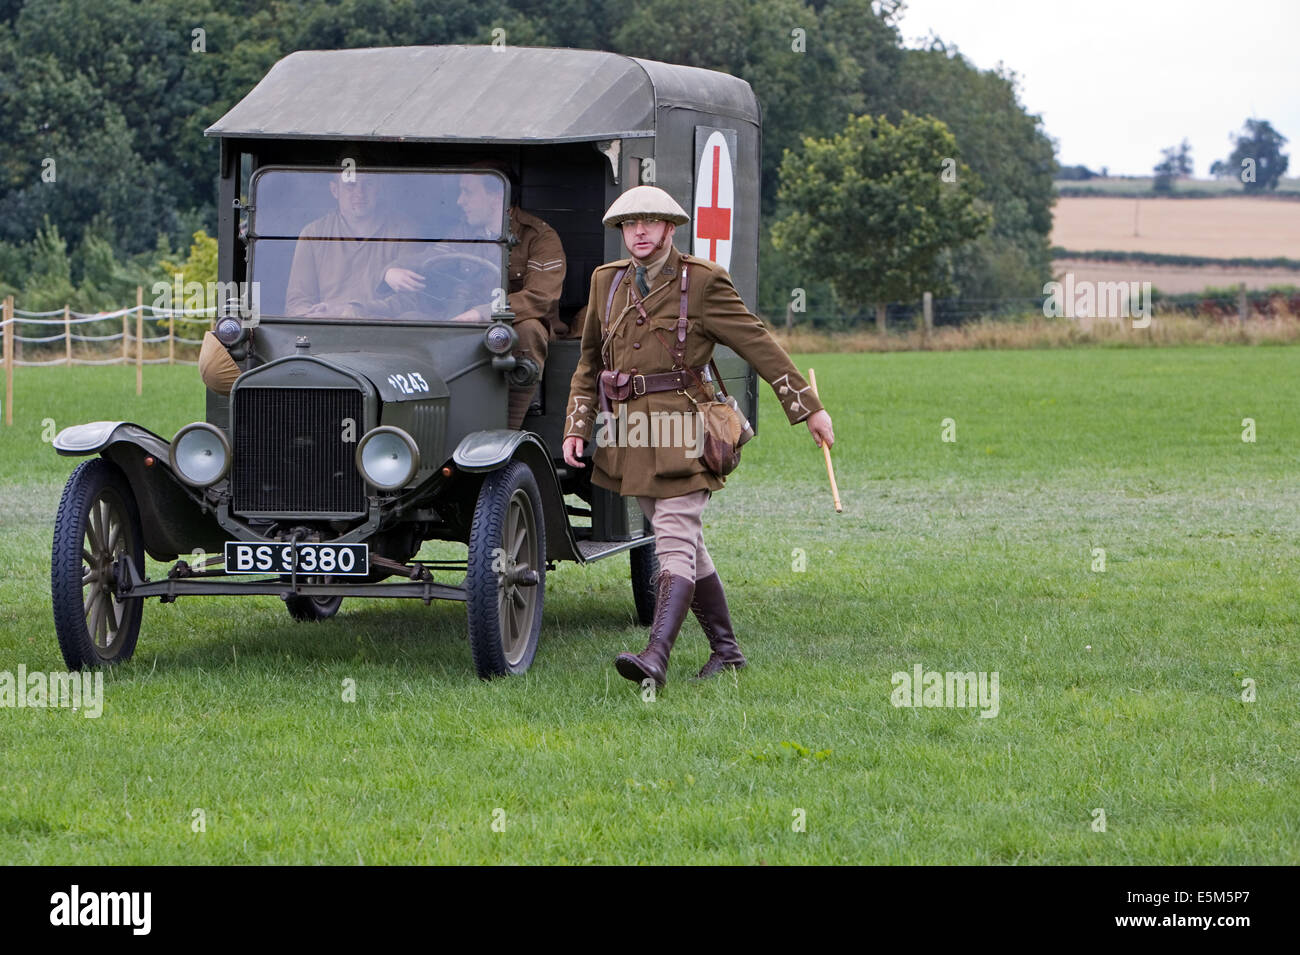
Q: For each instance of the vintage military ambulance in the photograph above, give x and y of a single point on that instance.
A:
(350, 440)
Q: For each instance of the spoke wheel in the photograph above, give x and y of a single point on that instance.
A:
(98, 522)
(506, 576)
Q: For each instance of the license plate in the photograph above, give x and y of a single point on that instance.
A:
(259, 557)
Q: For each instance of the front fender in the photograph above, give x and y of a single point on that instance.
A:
(171, 516)
(482, 451)
(488, 450)
(81, 440)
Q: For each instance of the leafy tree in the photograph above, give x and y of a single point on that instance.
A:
(1176, 163)
(808, 70)
(117, 93)
(13, 266)
(201, 264)
(1257, 157)
(1075, 173)
(874, 209)
(1012, 157)
(48, 284)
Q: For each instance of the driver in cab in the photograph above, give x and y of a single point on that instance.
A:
(536, 273)
(333, 274)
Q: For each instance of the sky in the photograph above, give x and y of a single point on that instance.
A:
(1116, 82)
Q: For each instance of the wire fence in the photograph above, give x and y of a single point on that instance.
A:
(32, 332)
(904, 315)
(164, 320)
(1223, 304)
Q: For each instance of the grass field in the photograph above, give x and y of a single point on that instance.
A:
(1121, 689)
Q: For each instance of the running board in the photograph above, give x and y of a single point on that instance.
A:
(595, 550)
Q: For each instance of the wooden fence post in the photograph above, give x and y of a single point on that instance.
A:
(67, 334)
(8, 318)
(171, 339)
(139, 339)
(927, 315)
(126, 337)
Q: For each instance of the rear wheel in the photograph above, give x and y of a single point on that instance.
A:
(645, 566)
(506, 574)
(97, 523)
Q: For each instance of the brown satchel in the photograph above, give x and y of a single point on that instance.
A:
(725, 427)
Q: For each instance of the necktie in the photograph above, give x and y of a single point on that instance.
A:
(641, 286)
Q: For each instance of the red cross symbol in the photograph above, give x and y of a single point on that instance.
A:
(714, 222)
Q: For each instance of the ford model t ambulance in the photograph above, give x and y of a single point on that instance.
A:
(352, 436)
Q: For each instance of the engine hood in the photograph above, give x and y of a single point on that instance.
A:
(394, 376)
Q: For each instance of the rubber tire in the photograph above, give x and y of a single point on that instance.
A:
(92, 480)
(312, 609)
(645, 567)
(481, 581)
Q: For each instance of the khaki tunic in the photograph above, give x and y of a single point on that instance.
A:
(536, 270)
(716, 315)
(338, 272)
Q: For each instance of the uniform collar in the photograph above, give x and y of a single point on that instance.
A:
(665, 266)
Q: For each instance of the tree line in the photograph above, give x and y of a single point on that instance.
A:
(106, 178)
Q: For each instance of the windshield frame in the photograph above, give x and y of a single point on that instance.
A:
(504, 242)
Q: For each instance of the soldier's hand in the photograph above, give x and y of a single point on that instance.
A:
(573, 446)
(404, 280)
(819, 425)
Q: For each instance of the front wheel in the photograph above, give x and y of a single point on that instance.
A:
(97, 523)
(506, 576)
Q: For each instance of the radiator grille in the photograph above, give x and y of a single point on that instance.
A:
(290, 456)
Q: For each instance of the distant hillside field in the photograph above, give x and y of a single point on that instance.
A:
(1174, 279)
(1142, 186)
(1220, 228)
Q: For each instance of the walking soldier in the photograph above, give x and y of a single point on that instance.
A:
(633, 333)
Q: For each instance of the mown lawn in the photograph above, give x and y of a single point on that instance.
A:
(1120, 690)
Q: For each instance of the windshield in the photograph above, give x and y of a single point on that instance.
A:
(409, 245)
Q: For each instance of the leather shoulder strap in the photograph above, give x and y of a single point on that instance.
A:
(679, 350)
(613, 287)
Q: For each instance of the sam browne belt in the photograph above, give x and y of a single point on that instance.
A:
(623, 386)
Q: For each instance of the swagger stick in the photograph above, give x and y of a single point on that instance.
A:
(830, 471)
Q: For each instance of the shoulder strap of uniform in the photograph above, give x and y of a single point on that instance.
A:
(613, 287)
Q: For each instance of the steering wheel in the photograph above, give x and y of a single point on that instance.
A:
(457, 276)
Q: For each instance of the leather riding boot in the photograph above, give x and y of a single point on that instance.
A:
(710, 606)
(672, 599)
